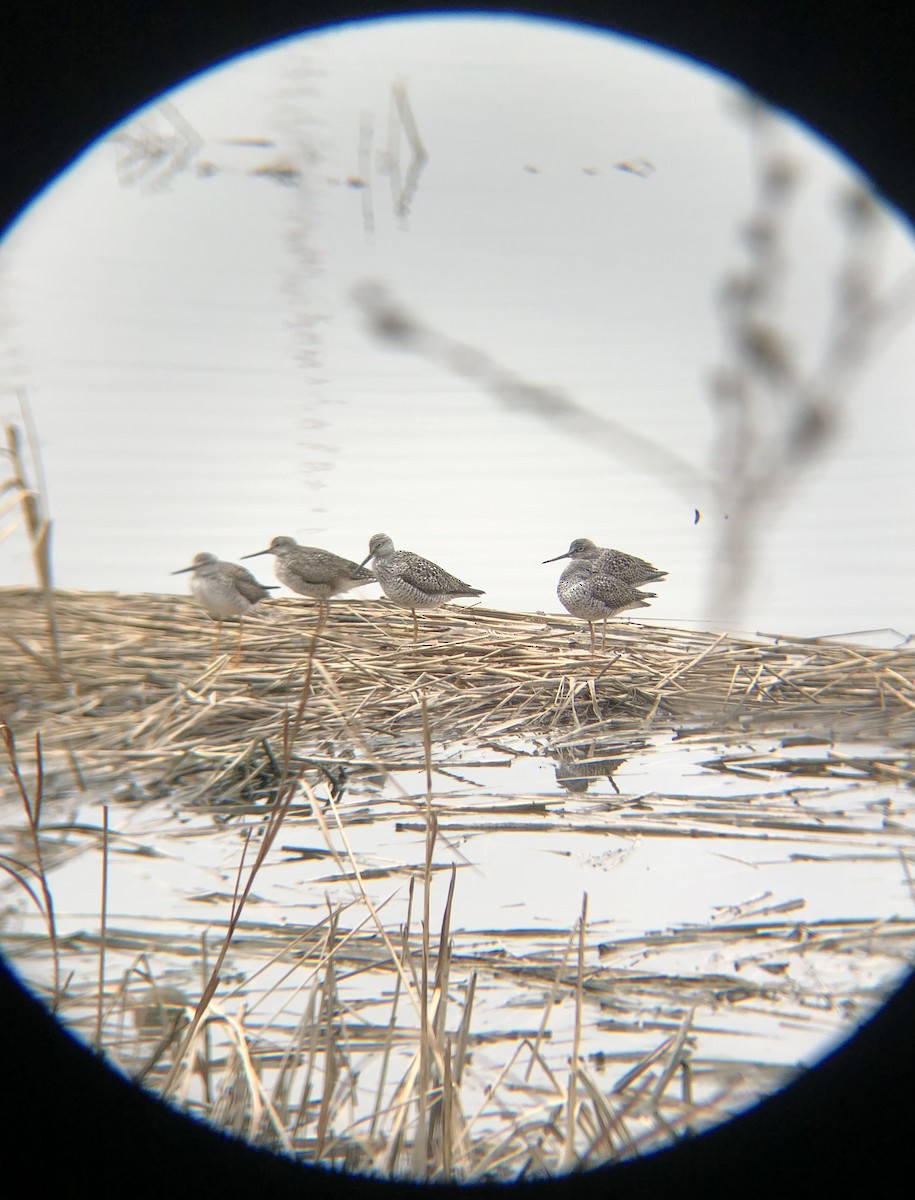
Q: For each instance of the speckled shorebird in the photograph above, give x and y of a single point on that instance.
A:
(313, 572)
(626, 567)
(412, 581)
(593, 595)
(225, 590)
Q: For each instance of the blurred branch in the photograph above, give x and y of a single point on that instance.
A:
(772, 417)
(392, 323)
(773, 412)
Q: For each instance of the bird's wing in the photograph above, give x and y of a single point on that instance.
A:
(247, 584)
(614, 591)
(632, 561)
(427, 576)
(322, 566)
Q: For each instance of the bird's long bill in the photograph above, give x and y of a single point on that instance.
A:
(183, 570)
(557, 558)
(365, 560)
(256, 554)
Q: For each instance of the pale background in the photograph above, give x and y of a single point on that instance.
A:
(202, 378)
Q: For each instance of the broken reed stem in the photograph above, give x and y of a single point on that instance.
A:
(284, 796)
(568, 1154)
(103, 932)
(421, 1136)
(328, 1023)
(409, 984)
(433, 1047)
(33, 819)
(392, 1020)
(550, 1003)
(675, 1059)
(38, 528)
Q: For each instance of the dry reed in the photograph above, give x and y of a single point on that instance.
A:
(139, 705)
(354, 1043)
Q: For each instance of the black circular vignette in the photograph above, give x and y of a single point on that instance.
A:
(70, 71)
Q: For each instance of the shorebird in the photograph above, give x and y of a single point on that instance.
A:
(313, 572)
(225, 590)
(626, 567)
(593, 595)
(412, 581)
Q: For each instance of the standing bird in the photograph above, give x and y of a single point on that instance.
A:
(626, 567)
(313, 572)
(593, 595)
(412, 581)
(225, 590)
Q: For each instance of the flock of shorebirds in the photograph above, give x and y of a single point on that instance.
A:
(597, 584)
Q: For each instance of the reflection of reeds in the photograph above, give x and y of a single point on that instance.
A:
(151, 151)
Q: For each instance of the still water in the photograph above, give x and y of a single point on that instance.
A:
(189, 323)
(461, 281)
